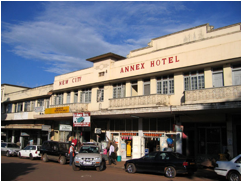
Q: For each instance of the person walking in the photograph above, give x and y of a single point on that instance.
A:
(111, 154)
(72, 153)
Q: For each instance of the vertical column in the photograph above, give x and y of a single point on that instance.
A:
(13, 108)
(140, 87)
(208, 77)
(140, 127)
(153, 86)
(227, 75)
(38, 138)
(230, 136)
(64, 97)
(72, 97)
(13, 137)
(23, 109)
(128, 89)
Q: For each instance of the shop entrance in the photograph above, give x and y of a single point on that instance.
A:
(152, 144)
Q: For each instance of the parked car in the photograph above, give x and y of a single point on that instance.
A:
(230, 169)
(89, 157)
(55, 151)
(31, 151)
(9, 149)
(168, 163)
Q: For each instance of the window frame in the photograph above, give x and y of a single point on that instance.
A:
(86, 95)
(119, 90)
(194, 80)
(165, 85)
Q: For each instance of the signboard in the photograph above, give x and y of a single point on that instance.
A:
(46, 127)
(98, 130)
(63, 127)
(178, 128)
(39, 109)
(57, 110)
(81, 119)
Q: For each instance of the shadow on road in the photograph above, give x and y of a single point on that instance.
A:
(9, 174)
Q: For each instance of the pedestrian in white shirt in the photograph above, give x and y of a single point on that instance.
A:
(112, 155)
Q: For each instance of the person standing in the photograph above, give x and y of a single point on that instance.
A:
(72, 153)
(111, 154)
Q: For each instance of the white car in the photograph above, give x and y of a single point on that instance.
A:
(31, 151)
(9, 149)
(230, 169)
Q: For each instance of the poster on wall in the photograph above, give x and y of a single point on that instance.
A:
(81, 119)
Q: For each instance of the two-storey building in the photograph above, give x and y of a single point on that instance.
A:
(186, 86)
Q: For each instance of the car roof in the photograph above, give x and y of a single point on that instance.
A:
(90, 146)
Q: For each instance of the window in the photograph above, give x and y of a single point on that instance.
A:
(47, 103)
(19, 107)
(40, 102)
(59, 99)
(101, 74)
(134, 89)
(147, 87)
(100, 94)
(86, 96)
(68, 97)
(236, 74)
(75, 96)
(218, 80)
(119, 90)
(27, 106)
(194, 80)
(165, 85)
(32, 105)
(9, 108)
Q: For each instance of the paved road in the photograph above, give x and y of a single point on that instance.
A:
(14, 168)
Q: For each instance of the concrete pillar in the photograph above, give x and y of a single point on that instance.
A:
(153, 86)
(64, 98)
(140, 127)
(140, 87)
(13, 137)
(23, 107)
(38, 138)
(72, 97)
(230, 141)
(128, 89)
(208, 77)
(13, 108)
(227, 75)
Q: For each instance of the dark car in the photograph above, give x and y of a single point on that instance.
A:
(168, 163)
(55, 151)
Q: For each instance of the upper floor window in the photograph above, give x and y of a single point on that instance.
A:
(165, 85)
(75, 96)
(86, 95)
(218, 77)
(9, 108)
(59, 99)
(27, 106)
(100, 94)
(19, 107)
(40, 102)
(147, 87)
(119, 90)
(236, 74)
(68, 97)
(194, 80)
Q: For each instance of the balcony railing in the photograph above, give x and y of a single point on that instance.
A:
(211, 95)
(140, 101)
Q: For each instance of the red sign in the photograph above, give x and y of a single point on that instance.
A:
(154, 63)
(81, 119)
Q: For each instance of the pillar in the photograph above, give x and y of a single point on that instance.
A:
(13, 137)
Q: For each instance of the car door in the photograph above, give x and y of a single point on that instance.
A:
(161, 161)
(146, 163)
(24, 152)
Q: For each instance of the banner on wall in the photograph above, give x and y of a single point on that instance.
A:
(81, 119)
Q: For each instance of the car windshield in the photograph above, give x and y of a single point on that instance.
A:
(89, 149)
(3, 144)
(10, 145)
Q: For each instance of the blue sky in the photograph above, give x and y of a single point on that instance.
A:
(42, 39)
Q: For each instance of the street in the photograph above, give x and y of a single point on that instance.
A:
(14, 168)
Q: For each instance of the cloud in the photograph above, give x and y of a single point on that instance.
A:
(65, 34)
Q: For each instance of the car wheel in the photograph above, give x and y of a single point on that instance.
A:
(101, 167)
(19, 155)
(7, 154)
(234, 176)
(170, 172)
(45, 158)
(31, 157)
(74, 167)
(130, 167)
(62, 160)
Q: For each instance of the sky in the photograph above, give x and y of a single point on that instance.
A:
(44, 39)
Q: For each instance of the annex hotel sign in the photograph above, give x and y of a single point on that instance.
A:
(158, 62)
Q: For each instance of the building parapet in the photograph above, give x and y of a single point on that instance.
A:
(73, 107)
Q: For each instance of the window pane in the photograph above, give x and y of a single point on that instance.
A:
(165, 87)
